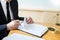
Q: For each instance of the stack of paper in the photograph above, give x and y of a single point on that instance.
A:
(20, 37)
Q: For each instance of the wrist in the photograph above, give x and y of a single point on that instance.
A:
(7, 27)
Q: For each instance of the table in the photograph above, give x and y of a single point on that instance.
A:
(48, 36)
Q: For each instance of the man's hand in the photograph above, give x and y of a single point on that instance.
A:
(29, 20)
(13, 25)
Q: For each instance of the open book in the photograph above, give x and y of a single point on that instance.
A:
(34, 29)
(21, 37)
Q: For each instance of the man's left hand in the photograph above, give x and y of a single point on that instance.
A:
(29, 20)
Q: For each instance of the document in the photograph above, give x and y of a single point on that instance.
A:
(34, 29)
(21, 37)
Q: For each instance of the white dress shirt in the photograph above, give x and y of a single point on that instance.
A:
(3, 3)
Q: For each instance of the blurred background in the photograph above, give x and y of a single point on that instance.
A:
(43, 11)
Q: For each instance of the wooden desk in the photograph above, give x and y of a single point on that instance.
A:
(48, 36)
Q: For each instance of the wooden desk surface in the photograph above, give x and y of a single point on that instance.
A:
(48, 36)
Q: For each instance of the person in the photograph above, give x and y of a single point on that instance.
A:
(9, 12)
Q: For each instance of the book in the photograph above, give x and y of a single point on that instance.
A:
(21, 37)
(34, 29)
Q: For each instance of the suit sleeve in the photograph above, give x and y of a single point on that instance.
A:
(14, 6)
(3, 31)
(3, 27)
(21, 18)
(17, 9)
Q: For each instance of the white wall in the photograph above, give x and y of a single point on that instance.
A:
(49, 17)
(44, 17)
(38, 4)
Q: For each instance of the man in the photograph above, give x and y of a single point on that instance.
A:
(8, 13)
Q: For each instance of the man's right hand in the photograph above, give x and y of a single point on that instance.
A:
(13, 25)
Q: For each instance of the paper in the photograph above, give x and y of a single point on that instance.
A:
(24, 23)
(20, 37)
(34, 29)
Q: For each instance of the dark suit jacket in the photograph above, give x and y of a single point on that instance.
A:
(3, 21)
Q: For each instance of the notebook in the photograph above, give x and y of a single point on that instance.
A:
(34, 29)
(21, 37)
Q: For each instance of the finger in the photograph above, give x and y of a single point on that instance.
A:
(29, 21)
(16, 25)
(17, 21)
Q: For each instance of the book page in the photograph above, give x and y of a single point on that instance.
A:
(21, 37)
(34, 29)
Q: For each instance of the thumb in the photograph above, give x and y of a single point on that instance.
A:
(17, 21)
